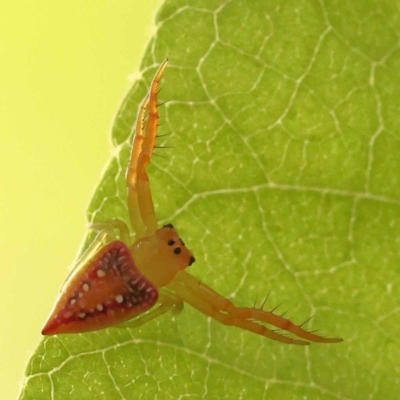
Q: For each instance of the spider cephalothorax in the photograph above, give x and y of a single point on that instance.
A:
(161, 255)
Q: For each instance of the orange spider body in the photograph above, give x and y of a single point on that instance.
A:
(117, 283)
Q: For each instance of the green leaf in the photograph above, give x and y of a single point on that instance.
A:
(283, 179)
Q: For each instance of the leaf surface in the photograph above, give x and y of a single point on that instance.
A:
(283, 179)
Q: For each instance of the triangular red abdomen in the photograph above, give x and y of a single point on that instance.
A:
(107, 290)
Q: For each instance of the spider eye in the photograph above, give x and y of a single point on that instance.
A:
(177, 250)
(171, 242)
(191, 261)
(168, 226)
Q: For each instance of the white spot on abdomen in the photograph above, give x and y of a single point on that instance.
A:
(100, 273)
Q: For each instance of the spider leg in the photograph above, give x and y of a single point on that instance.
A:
(133, 202)
(140, 203)
(216, 306)
(166, 302)
(99, 241)
(113, 224)
(210, 303)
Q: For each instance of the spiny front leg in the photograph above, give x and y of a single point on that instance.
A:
(140, 203)
(205, 304)
(131, 176)
(213, 304)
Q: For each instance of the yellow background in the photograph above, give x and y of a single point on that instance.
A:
(64, 69)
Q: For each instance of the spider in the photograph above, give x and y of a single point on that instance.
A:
(124, 284)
